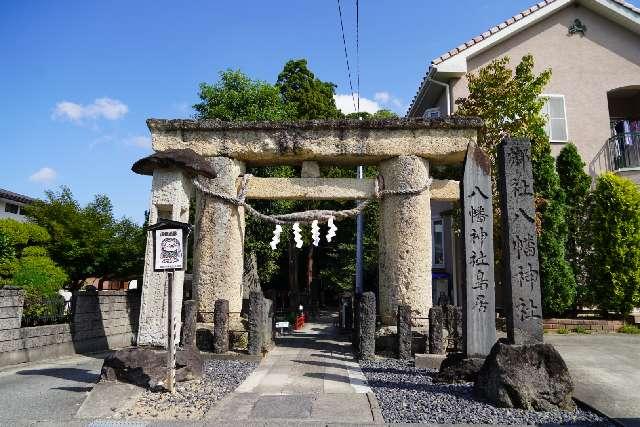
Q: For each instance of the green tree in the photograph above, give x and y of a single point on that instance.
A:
(614, 258)
(88, 241)
(378, 115)
(310, 97)
(236, 97)
(510, 102)
(575, 182)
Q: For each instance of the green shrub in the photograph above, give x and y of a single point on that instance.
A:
(562, 331)
(581, 330)
(629, 329)
(41, 280)
(614, 232)
(575, 182)
(34, 251)
(23, 233)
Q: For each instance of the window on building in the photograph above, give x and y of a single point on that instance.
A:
(438, 242)
(11, 208)
(554, 110)
(432, 113)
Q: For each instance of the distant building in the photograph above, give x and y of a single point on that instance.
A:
(12, 205)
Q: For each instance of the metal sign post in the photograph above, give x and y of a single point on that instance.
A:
(170, 255)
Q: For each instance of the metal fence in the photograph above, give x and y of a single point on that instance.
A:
(46, 311)
(623, 151)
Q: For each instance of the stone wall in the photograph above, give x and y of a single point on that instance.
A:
(102, 320)
(594, 325)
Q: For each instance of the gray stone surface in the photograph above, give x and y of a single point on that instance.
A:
(170, 194)
(429, 361)
(477, 225)
(250, 277)
(256, 316)
(456, 368)
(404, 335)
(190, 325)
(453, 324)
(520, 249)
(404, 266)
(366, 326)
(530, 377)
(218, 256)
(221, 326)
(436, 342)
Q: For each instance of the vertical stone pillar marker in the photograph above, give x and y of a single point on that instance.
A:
(479, 303)
(367, 326)
(404, 332)
(520, 254)
(218, 257)
(189, 326)
(405, 238)
(436, 343)
(256, 318)
(221, 327)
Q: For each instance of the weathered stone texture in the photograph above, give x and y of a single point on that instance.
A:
(453, 324)
(532, 377)
(404, 334)
(218, 249)
(221, 326)
(436, 341)
(256, 317)
(405, 239)
(520, 253)
(147, 368)
(189, 325)
(338, 142)
(479, 301)
(170, 193)
(250, 277)
(366, 326)
(456, 368)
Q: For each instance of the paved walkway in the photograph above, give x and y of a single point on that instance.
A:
(310, 376)
(48, 392)
(605, 371)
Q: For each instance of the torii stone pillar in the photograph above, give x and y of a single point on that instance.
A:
(170, 193)
(218, 257)
(405, 239)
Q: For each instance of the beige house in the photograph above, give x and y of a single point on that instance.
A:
(593, 49)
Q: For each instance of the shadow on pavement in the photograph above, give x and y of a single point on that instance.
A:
(71, 374)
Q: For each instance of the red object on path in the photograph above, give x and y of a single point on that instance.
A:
(299, 322)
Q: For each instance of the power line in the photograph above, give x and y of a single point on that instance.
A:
(358, 50)
(346, 57)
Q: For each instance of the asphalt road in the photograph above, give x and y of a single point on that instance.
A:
(47, 392)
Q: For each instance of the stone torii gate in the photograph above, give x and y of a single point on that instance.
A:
(219, 153)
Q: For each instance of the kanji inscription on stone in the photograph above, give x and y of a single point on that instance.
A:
(521, 266)
(479, 323)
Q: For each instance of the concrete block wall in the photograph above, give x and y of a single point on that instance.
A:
(102, 320)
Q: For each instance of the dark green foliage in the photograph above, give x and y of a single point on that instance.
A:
(378, 115)
(613, 261)
(309, 96)
(235, 97)
(575, 182)
(88, 241)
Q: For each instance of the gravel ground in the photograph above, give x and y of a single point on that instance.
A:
(408, 395)
(193, 398)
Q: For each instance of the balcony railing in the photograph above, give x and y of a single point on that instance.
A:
(623, 151)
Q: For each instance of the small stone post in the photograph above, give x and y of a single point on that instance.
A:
(219, 242)
(405, 238)
(479, 302)
(221, 326)
(521, 268)
(404, 332)
(256, 317)
(367, 326)
(190, 311)
(436, 343)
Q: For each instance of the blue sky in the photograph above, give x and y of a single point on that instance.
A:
(79, 78)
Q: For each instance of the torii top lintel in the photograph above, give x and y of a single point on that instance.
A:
(340, 142)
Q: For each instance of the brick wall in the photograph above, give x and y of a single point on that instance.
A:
(102, 320)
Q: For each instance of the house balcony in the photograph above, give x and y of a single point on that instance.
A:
(622, 152)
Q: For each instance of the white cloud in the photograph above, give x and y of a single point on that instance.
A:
(344, 102)
(382, 97)
(45, 175)
(139, 141)
(388, 100)
(107, 108)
